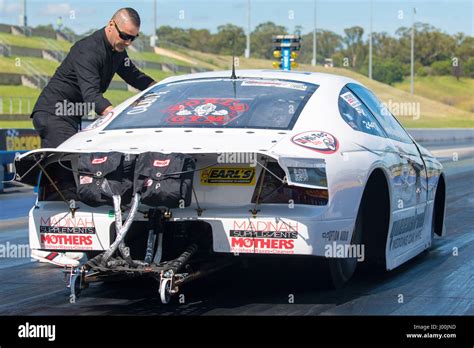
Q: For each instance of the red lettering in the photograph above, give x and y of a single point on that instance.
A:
(66, 240)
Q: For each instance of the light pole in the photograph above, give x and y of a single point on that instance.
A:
(370, 40)
(25, 19)
(153, 33)
(412, 58)
(247, 50)
(313, 62)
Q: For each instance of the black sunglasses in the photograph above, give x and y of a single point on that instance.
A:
(124, 36)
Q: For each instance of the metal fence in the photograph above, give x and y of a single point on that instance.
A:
(16, 105)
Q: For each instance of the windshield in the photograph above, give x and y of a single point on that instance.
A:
(218, 103)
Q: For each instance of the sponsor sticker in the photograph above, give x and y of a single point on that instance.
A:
(78, 225)
(263, 237)
(99, 160)
(228, 176)
(217, 111)
(161, 163)
(85, 179)
(318, 141)
(148, 182)
(61, 241)
(332, 236)
(407, 231)
(67, 233)
(143, 103)
(280, 84)
(353, 102)
(100, 121)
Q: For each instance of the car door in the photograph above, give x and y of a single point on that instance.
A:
(408, 178)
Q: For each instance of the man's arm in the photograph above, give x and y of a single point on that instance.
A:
(88, 78)
(133, 76)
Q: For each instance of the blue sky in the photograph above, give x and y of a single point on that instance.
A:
(450, 16)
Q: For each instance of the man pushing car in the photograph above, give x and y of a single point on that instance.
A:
(80, 82)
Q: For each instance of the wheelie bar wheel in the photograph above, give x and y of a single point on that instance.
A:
(167, 287)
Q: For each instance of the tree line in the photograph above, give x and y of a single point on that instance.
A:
(436, 52)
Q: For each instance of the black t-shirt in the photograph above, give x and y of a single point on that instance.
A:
(85, 74)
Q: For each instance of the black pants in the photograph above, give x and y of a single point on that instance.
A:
(54, 130)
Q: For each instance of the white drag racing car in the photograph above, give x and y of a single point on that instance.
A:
(207, 168)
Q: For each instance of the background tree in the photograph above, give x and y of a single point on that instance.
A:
(228, 35)
(355, 49)
(261, 42)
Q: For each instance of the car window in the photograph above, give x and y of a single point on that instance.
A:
(218, 103)
(356, 114)
(391, 126)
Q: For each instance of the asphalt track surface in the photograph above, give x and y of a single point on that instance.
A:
(437, 282)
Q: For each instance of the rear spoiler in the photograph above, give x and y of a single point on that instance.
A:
(26, 167)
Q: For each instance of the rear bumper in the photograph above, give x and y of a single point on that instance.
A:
(275, 229)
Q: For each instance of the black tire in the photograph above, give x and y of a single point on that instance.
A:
(342, 269)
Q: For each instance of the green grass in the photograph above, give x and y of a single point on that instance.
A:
(446, 89)
(157, 75)
(32, 41)
(153, 57)
(19, 91)
(117, 97)
(14, 65)
(16, 92)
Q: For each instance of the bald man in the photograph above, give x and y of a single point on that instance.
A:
(77, 87)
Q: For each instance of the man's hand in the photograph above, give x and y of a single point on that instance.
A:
(107, 110)
(153, 83)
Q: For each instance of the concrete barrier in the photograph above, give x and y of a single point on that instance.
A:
(5, 28)
(441, 134)
(7, 79)
(48, 33)
(26, 52)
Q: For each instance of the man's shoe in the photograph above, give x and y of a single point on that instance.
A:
(54, 257)
(74, 255)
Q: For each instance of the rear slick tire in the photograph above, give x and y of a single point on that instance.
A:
(342, 269)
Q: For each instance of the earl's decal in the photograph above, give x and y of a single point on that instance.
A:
(228, 176)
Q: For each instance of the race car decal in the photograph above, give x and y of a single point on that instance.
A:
(67, 233)
(101, 120)
(66, 242)
(353, 102)
(263, 237)
(85, 180)
(218, 111)
(99, 160)
(67, 225)
(407, 231)
(228, 176)
(143, 103)
(318, 141)
(270, 83)
(333, 236)
(161, 163)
